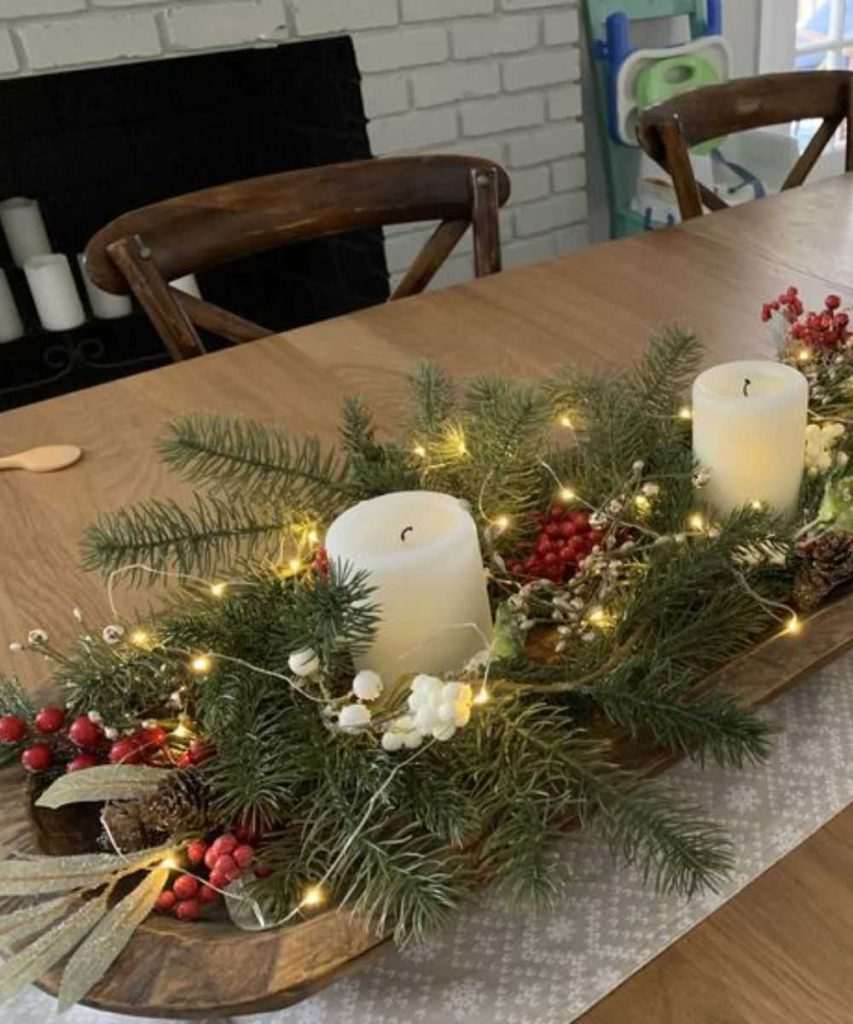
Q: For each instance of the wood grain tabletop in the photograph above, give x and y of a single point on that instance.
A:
(776, 954)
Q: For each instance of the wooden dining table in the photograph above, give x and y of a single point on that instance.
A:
(778, 952)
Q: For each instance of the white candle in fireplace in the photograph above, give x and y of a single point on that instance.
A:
(422, 554)
(188, 283)
(54, 292)
(749, 428)
(24, 229)
(10, 319)
(105, 305)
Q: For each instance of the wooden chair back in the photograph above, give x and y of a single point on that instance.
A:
(668, 130)
(141, 251)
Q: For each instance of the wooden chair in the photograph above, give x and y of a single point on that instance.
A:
(668, 131)
(141, 251)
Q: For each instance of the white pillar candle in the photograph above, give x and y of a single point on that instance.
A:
(188, 283)
(54, 292)
(105, 305)
(24, 229)
(749, 429)
(422, 554)
(11, 326)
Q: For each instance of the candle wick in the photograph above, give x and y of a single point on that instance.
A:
(409, 529)
(747, 383)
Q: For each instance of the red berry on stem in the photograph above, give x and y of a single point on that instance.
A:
(81, 762)
(196, 851)
(833, 301)
(557, 513)
(50, 719)
(262, 871)
(581, 520)
(185, 887)
(12, 729)
(210, 858)
(166, 900)
(37, 758)
(125, 751)
(224, 844)
(85, 733)
(199, 750)
(184, 761)
(227, 867)
(568, 529)
(207, 895)
(243, 855)
(188, 910)
(220, 881)
(151, 739)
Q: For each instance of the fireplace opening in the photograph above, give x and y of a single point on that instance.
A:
(89, 145)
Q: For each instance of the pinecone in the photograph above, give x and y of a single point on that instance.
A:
(827, 563)
(179, 805)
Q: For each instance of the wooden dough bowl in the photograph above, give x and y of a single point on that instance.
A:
(177, 970)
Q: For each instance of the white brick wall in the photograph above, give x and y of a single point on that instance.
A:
(497, 78)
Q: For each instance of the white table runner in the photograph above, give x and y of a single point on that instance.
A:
(495, 965)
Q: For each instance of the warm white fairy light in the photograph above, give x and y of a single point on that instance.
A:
(567, 494)
(201, 664)
(483, 696)
(420, 451)
(139, 638)
(314, 896)
(685, 413)
(294, 565)
(696, 522)
(566, 421)
(756, 505)
(642, 504)
(804, 355)
(218, 589)
(313, 537)
(181, 731)
(600, 618)
(503, 523)
(170, 863)
(794, 625)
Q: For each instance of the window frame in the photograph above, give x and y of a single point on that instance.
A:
(778, 35)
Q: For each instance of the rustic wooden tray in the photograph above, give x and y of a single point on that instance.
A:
(175, 970)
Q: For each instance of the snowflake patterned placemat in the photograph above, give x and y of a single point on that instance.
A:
(495, 965)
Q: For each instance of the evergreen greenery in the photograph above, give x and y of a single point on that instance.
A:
(403, 839)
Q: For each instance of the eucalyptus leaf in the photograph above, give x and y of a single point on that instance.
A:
(29, 920)
(36, 876)
(101, 783)
(32, 962)
(94, 956)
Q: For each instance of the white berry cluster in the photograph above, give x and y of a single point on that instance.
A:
(367, 686)
(436, 709)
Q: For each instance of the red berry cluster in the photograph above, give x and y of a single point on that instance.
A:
(320, 565)
(81, 745)
(226, 858)
(565, 539)
(824, 330)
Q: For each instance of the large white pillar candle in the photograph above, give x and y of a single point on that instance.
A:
(11, 326)
(749, 429)
(54, 292)
(24, 229)
(105, 305)
(422, 554)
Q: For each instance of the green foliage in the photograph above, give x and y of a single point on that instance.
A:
(404, 838)
(14, 700)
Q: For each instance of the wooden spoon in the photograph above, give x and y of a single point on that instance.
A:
(43, 460)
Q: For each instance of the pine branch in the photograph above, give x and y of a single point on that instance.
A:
(374, 468)
(245, 457)
(650, 705)
(434, 396)
(662, 378)
(163, 535)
